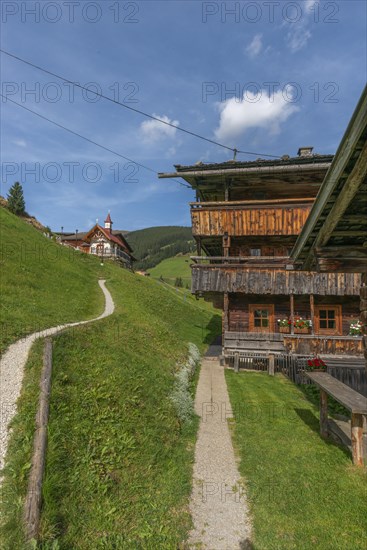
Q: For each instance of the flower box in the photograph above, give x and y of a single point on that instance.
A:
(305, 330)
(316, 365)
(284, 330)
(355, 329)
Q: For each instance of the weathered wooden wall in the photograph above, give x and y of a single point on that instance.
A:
(212, 278)
(249, 221)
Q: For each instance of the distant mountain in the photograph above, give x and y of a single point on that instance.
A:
(154, 244)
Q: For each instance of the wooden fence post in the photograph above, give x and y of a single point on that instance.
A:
(271, 364)
(32, 506)
(236, 362)
(357, 439)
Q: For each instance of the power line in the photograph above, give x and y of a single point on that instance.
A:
(87, 139)
(233, 149)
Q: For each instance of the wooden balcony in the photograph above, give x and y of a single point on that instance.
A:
(301, 344)
(230, 275)
(249, 218)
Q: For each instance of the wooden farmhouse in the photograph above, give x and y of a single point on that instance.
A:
(101, 241)
(246, 220)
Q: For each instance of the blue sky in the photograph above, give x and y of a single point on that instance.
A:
(260, 76)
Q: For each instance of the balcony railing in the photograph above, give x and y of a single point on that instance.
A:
(313, 344)
(253, 261)
(252, 279)
(247, 218)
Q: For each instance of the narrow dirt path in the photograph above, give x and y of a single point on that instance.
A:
(218, 502)
(12, 366)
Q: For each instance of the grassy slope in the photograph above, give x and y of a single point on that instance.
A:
(169, 269)
(41, 282)
(119, 464)
(304, 492)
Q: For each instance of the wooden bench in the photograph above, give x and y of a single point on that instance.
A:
(355, 402)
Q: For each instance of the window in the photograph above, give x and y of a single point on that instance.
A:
(255, 251)
(328, 319)
(261, 318)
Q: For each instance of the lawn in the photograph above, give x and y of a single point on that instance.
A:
(304, 492)
(119, 462)
(171, 268)
(42, 283)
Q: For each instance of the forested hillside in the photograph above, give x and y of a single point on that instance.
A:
(154, 244)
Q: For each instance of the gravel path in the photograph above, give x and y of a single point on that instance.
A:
(218, 502)
(12, 365)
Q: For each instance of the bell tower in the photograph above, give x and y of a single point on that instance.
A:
(108, 223)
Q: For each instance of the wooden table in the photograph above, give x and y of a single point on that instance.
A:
(355, 402)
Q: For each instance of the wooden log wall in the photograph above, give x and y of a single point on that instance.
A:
(238, 309)
(249, 221)
(272, 281)
(363, 312)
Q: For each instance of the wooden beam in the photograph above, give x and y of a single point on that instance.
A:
(344, 259)
(312, 309)
(218, 204)
(226, 243)
(237, 172)
(226, 312)
(337, 265)
(350, 252)
(363, 309)
(198, 246)
(357, 218)
(357, 439)
(33, 501)
(292, 312)
(350, 233)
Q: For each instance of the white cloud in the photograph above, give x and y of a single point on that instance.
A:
(20, 142)
(255, 46)
(299, 34)
(153, 130)
(254, 111)
(297, 38)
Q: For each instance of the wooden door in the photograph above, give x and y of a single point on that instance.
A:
(261, 317)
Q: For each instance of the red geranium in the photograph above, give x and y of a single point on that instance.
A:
(316, 363)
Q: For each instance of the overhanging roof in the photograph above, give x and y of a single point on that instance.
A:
(253, 179)
(334, 237)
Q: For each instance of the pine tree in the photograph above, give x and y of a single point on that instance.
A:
(16, 203)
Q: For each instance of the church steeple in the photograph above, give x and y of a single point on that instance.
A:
(108, 222)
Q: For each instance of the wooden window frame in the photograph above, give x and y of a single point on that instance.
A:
(252, 308)
(338, 318)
